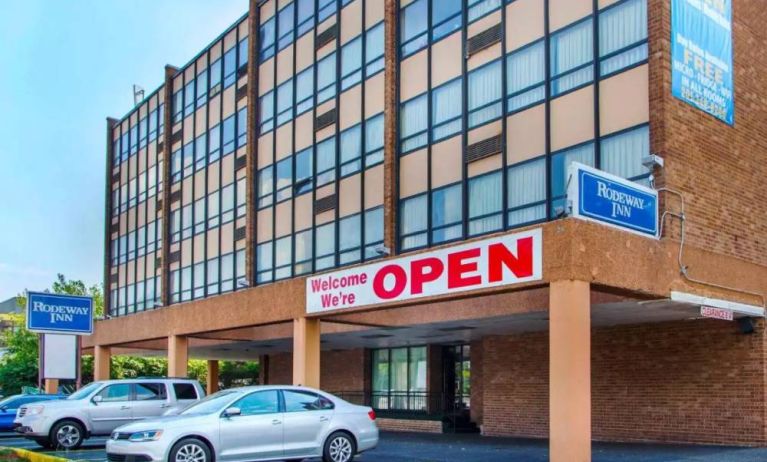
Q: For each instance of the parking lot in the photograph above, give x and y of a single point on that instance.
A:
(412, 447)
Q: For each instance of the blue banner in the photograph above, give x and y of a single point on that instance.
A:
(55, 313)
(614, 201)
(701, 56)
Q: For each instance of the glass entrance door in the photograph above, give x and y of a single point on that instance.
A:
(457, 378)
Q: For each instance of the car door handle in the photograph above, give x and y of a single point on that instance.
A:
(124, 407)
(164, 405)
(276, 422)
(324, 419)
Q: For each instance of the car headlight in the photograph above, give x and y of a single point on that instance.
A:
(150, 435)
(34, 410)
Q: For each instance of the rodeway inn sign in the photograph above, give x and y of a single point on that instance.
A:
(503, 260)
(53, 313)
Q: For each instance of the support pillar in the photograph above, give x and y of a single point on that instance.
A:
(569, 371)
(178, 356)
(51, 386)
(306, 352)
(212, 385)
(102, 356)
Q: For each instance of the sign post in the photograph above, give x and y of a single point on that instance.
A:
(612, 201)
(60, 320)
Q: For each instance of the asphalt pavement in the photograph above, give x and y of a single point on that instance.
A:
(414, 447)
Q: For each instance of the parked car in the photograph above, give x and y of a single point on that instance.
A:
(252, 424)
(100, 407)
(11, 404)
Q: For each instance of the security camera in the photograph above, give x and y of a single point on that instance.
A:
(651, 161)
(383, 250)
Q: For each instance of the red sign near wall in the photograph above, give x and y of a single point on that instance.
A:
(499, 261)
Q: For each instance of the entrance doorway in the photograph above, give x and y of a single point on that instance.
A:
(456, 383)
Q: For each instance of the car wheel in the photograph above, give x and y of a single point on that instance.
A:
(190, 450)
(339, 447)
(67, 434)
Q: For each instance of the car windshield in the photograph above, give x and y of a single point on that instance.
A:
(212, 403)
(84, 391)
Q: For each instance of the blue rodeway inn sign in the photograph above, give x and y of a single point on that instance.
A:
(599, 196)
(53, 313)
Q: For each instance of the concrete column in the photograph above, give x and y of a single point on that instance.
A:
(306, 352)
(212, 385)
(51, 386)
(569, 371)
(178, 356)
(101, 360)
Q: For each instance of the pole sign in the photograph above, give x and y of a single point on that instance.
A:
(54, 313)
(498, 261)
(613, 201)
(701, 56)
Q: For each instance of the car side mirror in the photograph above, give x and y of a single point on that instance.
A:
(232, 411)
(97, 399)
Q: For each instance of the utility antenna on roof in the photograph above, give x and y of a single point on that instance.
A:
(138, 94)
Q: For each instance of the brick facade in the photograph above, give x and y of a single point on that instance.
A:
(692, 381)
(341, 370)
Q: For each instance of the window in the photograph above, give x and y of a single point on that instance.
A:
(374, 140)
(622, 36)
(414, 26)
(349, 239)
(202, 88)
(485, 91)
(242, 51)
(399, 379)
(284, 178)
(305, 16)
(326, 246)
(446, 214)
(186, 221)
(215, 77)
(300, 401)
(228, 135)
(242, 127)
(445, 18)
(200, 151)
(559, 164)
(214, 147)
(351, 147)
(374, 49)
(264, 254)
(622, 153)
(351, 63)
(227, 272)
(446, 105)
(186, 283)
(265, 186)
(239, 272)
(303, 252)
(303, 180)
(572, 53)
(286, 23)
(326, 8)
(227, 203)
(413, 222)
(266, 112)
(212, 276)
(374, 233)
(485, 203)
(258, 403)
(230, 67)
(479, 8)
(284, 102)
(414, 124)
(525, 74)
(188, 98)
(304, 90)
(213, 209)
(187, 159)
(184, 391)
(326, 161)
(150, 391)
(117, 392)
(266, 39)
(199, 216)
(326, 78)
(283, 257)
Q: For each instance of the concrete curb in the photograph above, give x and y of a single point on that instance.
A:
(31, 456)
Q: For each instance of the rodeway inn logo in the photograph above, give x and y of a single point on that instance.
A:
(60, 313)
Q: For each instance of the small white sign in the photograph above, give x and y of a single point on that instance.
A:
(503, 260)
(59, 356)
(716, 313)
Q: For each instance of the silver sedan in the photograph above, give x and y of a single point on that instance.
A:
(251, 424)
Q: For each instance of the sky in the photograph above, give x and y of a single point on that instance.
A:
(65, 66)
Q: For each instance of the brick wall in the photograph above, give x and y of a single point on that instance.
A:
(340, 370)
(410, 425)
(718, 168)
(694, 381)
(477, 383)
